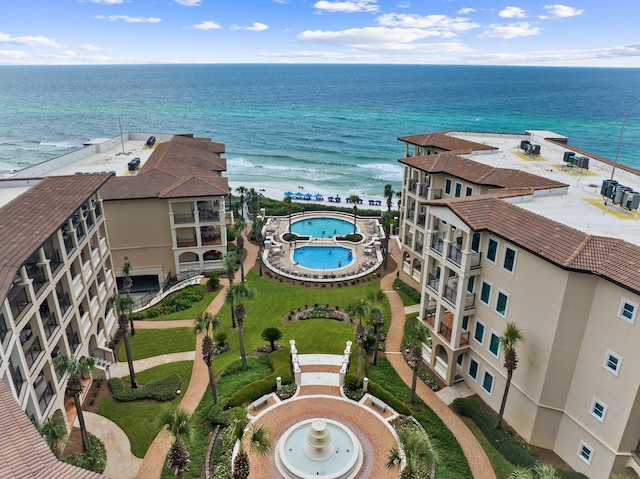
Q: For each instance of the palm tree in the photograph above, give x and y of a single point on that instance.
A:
(258, 437)
(127, 283)
(289, 202)
(540, 470)
(415, 334)
(229, 261)
(399, 196)
(361, 310)
(54, 432)
(242, 191)
(239, 293)
(354, 199)
(177, 422)
(253, 203)
(206, 324)
(123, 304)
(420, 455)
(376, 318)
(238, 228)
(256, 228)
(388, 194)
(509, 339)
(387, 221)
(76, 369)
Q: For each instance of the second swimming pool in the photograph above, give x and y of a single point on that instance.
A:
(323, 257)
(322, 227)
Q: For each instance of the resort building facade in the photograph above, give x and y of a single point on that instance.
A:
(492, 233)
(56, 279)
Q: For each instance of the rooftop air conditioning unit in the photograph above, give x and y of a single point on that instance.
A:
(607, 188)
(534, 150)
(568, 156)
(523, 144)
(631, 200)
(620, 191)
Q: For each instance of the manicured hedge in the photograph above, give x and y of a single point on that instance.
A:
(281, 364)
(408, 290)
(163, 390)
(381, 393)
(502, 440)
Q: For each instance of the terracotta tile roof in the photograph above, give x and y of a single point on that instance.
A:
(479, 173)
(179, 168)
(445, 142)
(613, 259)
(29, 219)
(23, 452)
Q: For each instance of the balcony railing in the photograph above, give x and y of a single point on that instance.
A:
(44, 397)
(408, 241)
(430, 193)
(433, 282)
(450, 294)
(437, 243)
(413, 186)
(33, 351)
(49, 323)
(208, 215)
(411, 214)
(430, 318)
(422, 219)
(64, 302)
(69, 245)
(186, 243)
(18, 380)
(181, 218)
(445, 331)
(475, 259)
(19, 302)
(455, 254)
(3, 328)
(54, 261)
(73, 340)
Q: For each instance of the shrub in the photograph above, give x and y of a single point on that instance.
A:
(220, 338)
(287, 391)
(502, 440)
(95, 458)
(162, 390)
(218, 414)
(153, 312)
(408, 290)
(391, 401)
(213, 282)
(281, 365)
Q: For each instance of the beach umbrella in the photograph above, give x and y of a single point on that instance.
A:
(299, 194)
(318, 195)
(307, 195)
(288, 193)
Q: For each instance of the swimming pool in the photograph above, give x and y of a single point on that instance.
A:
(323, 257)
(322, 227)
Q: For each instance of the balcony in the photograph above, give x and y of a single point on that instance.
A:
(54, 261)
(182, 218)
(95, 258)
(49, 323)
(74, 342)
(18, 301)
(64, 302)
(455, 254)
(422, 220)
(186, 242)
(408, 241)
(17, 379)
(77, 286)
(433, 282)
(39, 278)
(44, 397)
(430, 193)
(69, 245)
(3, 328)
(413, 186)
(437, 243)
(419, 247)
(411, 214)
(33, 350)
(446, 332)
(86, 271)
(207, 215)
(103, 246)
(97, 209)
(451, 294)
(210, 236)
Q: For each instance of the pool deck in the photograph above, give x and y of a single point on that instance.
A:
(278, 254)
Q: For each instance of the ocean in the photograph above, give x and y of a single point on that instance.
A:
(331, 129)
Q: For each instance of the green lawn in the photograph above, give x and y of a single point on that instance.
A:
(194, 310)
(501, 466)
(153, 342)
(137, 418)
(273, 300)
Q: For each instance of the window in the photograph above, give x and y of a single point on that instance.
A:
(458, 190)
(492, 250)
(487, 382)
(478, 334)
(469, 191)
(465, 323)
(598, 409)
(473, 369)
(485, 292)
(475, 242)
(628, 311)
(585, 452)
(612, 362)
(501, 303)
(494, 344)
(447, 186)
(509, 259)
(471, 283)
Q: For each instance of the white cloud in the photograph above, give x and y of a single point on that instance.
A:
(563, 11)
(466, 11)
(128, 19)
(189, 3)
(37, 41)
(257, 27)
(400, 40)
(206, 25)
(325, 55)
(348, 6)
(513, 12)
(444, 25)
(91, 48)
(13, 54)
(404, 5)
(513, 30)
(108, 2)
(281, 1)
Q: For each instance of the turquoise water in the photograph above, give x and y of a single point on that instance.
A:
(322, 227)
(329, 128)
(323, 257)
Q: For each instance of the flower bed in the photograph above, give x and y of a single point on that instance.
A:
(318, 312)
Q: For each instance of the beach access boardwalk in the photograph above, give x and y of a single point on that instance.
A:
(321, 395)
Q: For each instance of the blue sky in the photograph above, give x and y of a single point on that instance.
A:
(490, 32)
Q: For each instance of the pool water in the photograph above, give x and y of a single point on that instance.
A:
(322, 227)
(323, 257)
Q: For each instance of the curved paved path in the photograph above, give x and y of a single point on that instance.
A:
(151, 465)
